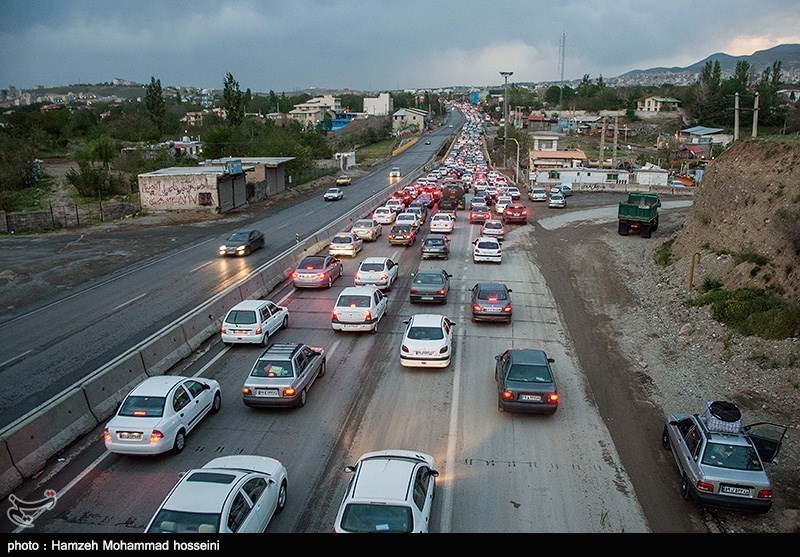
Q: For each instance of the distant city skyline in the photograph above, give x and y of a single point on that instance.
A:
(372, 45)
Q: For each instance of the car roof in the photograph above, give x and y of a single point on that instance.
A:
(375, 260)
(384, 478)
(203, 490)
(528, 356)
(427, 319)
(279, 350)
(249, 304)
(487, 239)
(491, 286)
(358, 290)
(157, 386)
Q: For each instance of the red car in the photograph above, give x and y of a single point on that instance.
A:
(479, 215)
(516, 212)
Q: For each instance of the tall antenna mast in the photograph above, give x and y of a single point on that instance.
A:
(561, 48)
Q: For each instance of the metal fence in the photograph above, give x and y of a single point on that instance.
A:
(67, 215)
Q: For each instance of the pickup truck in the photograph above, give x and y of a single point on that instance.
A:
(639, 214)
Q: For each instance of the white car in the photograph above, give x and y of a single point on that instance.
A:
(501, 204)
(384, 215)
(159, 412)
(427, 341)
(345, 243)
(229, 494)
(377, 271)
(443, 223)
(391, 491)
(514, 192)
(359, 308)
(395, 205)
(566, 188)
(333, 194)
(368, 230)
(538, 194)
(557, 200)
(487, 249)
(253, 321)
(411, 219)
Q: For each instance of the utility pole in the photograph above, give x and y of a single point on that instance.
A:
(505, 114)
(616, 136)
(736, 118)
(755, 117)
(603, 143)
(562, 48)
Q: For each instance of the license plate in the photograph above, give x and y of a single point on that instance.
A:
(130, 435)
(734, 490)
(531, 398)
(426, 298)
(424, 353)
(240, 332)
(267, 392)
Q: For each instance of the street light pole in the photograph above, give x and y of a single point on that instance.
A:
(516, 171)
(505, 113)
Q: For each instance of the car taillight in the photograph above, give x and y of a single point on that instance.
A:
(414, 291)
(367, 315)
(358, 276)
(156, 436)
(507, 309)
(765, 494)
(492, 298)
(477, 308)
(259, 330)
(106, 435)
(507, 395)
(384, 276)
(404, 348)
(289, 392)
(705, 486)
(334, 316)
(441, 292)
(294, 274)
(246, 391)
(552, 398)
(443, 349)
(525, 212)
(321, 276)
(223, 330)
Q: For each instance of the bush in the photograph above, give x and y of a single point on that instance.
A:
(710, 284)
(663, 255)
(752, 311)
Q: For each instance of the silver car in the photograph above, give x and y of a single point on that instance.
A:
(317, 271)
(720, 462)
(381, 272)
(367, 229)
(282, 375)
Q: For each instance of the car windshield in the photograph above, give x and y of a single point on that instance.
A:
(143, 407)
(425, 333)
(734, 457)
(372, 266)
(272, 368)
(180, 522)
(492, 294)
(237, 237)
(311, 263)
(353, 301)
(530, 373)
(241, 317)
(363, 517)
(428, 278)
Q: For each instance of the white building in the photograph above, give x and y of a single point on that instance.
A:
(582, 175)
(651, 175)
(382, 105)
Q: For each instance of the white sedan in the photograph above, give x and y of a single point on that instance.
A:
(230, 494)
(345, 243)
(442, 223)
(384, 215)
(159, 412)
(333, 194)
(427, 341)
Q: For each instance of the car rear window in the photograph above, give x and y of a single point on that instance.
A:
(342, 240)
(363, 224)
(179, 522)
(272, 368)
(530, 373)
(241, 317)
(434, 242)
(353, 301)
(488, 245)
(401, 229)
(492, 293)
(428, 279)
(425, 333)
(372, 266)
(312, 263)
(143, 407)
(493, 225)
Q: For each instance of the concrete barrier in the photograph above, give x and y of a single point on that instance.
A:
(106, 389)
(253, 288)
(10, 478)
(51, 430)
(202, 324)
(163, 352)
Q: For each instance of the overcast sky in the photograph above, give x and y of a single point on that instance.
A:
(372, 45)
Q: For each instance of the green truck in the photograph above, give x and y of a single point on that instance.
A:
(639, 214)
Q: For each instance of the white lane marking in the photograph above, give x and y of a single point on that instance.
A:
(329, 352)
(212, 361)
(70, 485)
(452, 440)
(129, 301)
(206, 264)
(16, 358)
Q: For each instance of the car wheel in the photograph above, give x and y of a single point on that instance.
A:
(302, 400)
(285, 322)
(322, 369)
(217, 404)
(265, 340)
(500, 407)
(180, 442)
(665, 438)
(375, 327)
(685, 493)
(330, 281)
(281, 503)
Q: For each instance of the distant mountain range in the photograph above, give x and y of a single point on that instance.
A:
(788, 54)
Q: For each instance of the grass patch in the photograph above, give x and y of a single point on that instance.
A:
(28, 199)
(663, 255)
(710, 284)
(752, 311)
(370, 154)
(751, 257)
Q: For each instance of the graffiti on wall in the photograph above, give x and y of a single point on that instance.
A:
(178, 191)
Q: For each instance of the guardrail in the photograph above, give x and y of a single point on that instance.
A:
(30, 441)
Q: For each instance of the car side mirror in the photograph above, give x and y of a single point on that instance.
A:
(497, 357)
(551, 360)
(349, 469)
(206, 386)
(510, 291)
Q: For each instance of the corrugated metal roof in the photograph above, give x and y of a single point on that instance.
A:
(558, 154)
(701, 130)
(185, 170)
(254, 160)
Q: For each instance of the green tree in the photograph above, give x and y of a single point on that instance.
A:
(154, 102)
(178, 99)
(17, 156)
(232, 100)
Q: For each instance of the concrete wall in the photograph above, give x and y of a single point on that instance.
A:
(165, 193)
